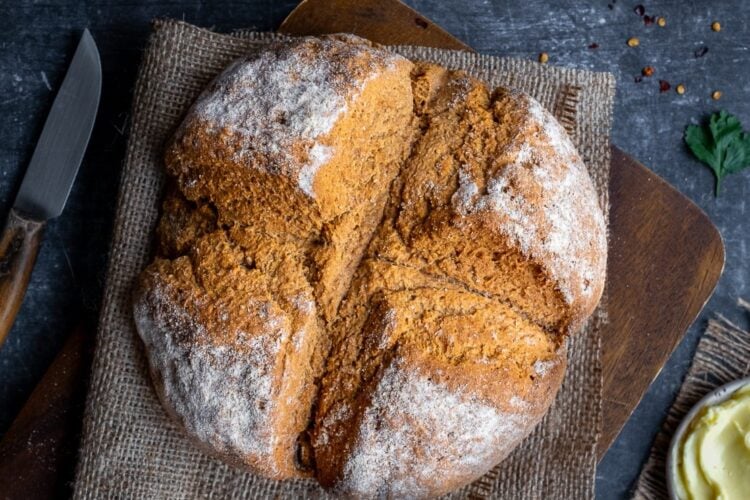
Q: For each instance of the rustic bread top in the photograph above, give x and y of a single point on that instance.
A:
(459, 227)
(285, 99)
(494, 188)
(298, 127)
(441, 385)
(539, 194)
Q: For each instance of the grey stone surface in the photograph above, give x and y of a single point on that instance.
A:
(38, 38)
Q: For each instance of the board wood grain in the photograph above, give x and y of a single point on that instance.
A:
(665, 255)
(38, 453)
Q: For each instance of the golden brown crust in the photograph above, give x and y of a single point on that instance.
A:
(494, 189)
(438, 373)
(408, 372)
(233, 348)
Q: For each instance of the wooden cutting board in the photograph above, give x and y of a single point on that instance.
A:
(665, 258)
(665, 255)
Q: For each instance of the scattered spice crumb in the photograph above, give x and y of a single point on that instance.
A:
(421, 22)
(638, 79)
(648, 71)
(680, 89)
(700, 52)
(594, 46)
(664, 86)
(661, 22)
(543, 58)
(639, 9)
(633, 42)
(648, 20)
(716, 95)
(610, 6)
(716, 26)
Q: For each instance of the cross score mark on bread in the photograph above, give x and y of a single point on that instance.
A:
(366, 269)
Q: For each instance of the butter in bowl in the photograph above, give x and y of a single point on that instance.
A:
(709, 456)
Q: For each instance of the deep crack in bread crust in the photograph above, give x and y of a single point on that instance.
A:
(366, 269)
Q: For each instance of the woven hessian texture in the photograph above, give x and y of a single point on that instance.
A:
(721, 357)
(131, 450)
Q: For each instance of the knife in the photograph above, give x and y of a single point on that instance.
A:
(49, 177)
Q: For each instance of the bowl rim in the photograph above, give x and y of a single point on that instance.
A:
(715, 397)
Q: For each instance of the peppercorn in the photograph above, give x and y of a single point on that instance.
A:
(639, 10)
(633, 42)
(543, 58)
(661, 22)
(716, 95)
(664, 86)
(648, 71)
(680, 89)
(716, 26)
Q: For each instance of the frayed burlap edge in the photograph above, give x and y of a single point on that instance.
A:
(130, 449)
(721, 356)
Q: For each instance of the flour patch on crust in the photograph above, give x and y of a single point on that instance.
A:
(222, 394)
(283, 102)
(537, 194)
(412, 416)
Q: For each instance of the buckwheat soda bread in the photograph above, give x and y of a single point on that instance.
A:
(366, 269)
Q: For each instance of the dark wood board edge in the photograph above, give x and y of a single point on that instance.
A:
(39, 451)
(643, 207)
(665, 258)
(387, 22)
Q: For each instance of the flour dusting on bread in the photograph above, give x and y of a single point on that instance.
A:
(538, 194)
(289, 96)
(412, 416)
(222, 394)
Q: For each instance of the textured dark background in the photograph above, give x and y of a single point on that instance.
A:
(38, 38)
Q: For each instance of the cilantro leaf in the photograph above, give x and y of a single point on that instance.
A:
(722, 145)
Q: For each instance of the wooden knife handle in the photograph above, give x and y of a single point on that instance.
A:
(19, 245)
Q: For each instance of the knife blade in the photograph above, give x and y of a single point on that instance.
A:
(49, 176)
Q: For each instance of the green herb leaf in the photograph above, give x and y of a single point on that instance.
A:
(721, 145)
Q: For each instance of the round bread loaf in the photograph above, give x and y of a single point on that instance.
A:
(366, 269)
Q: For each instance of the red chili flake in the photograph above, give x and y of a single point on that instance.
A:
(638, 79)
(664, 86)
(648, 20)
(640, 10)
(700, 52)
(594, 46)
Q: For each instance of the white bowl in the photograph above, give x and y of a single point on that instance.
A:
(715, 397)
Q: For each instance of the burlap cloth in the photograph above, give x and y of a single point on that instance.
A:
(131, 450)
(722, 355)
